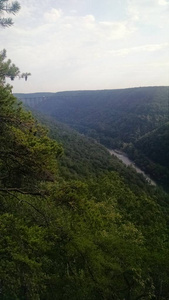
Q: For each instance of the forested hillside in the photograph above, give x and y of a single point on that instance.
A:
(120, 119)
(84, 158)
(154, 143)
(75, 223)
(110, 116)
(151, 153)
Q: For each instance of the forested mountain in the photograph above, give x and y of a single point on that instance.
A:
(110, 116)
(117, 119)
(75, 223)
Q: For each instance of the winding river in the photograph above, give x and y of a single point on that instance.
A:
(123, 157)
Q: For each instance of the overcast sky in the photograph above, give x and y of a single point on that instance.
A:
(89, 44)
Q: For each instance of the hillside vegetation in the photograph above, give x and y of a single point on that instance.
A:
(151, 153)
(75, 223)
(127, 119)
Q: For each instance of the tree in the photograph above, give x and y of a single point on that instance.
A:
(11, 8)
(7, 69)
(27, 155)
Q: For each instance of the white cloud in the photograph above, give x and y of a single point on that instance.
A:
(116, 30)
(143, 48)
(53, 15)
(163, 2)
(149, 11)
(133, 12)
(89, 18)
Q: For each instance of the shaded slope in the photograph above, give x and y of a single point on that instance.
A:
(151, 154)
(155, 145)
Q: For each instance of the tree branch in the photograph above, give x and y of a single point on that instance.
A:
(30, 204)
(6, 190)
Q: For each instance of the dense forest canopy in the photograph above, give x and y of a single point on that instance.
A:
(95, 229)
(111, 226)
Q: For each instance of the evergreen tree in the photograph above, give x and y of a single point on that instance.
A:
(7, 69)
(9, 8)
(27, 154)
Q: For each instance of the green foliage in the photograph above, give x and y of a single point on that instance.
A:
(25, 148)
(21, 250)
(86, 241)
(9, 70)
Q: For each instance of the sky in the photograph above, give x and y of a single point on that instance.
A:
(89, 44)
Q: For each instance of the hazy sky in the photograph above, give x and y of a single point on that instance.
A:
(89, 44)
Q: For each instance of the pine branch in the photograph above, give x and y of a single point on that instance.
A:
(6, 22)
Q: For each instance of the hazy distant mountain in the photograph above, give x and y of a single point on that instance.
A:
(110, 116)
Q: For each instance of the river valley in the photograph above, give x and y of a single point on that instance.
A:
(123, 157)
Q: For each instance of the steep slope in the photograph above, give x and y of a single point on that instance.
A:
(155, 145)
(84, 158)
(114, 118)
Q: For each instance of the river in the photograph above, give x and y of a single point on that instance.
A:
(123, 157)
